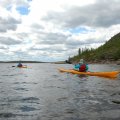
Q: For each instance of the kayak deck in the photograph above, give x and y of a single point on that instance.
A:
(110, 74)
(23, 67)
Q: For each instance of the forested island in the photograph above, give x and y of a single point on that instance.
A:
(107, 53)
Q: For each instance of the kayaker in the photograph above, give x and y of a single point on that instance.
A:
(81, 66)
(19, 64)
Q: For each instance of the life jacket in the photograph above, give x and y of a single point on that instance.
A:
(82, 68)
(19, 65)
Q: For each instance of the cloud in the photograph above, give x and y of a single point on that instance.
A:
(9, 41)
(8, 23)
(37, 26)
(99, 14)
(53, 38)
(54, 30)
(6, 3)
(53, 49)
(3, 47)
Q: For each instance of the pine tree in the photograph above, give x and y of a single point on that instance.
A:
(79, 52)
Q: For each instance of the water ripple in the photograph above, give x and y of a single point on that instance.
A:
(41, 93)
(30, 98)
(21, 89)
(7, 115)
(27, 109)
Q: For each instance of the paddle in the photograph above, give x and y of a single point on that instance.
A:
(13, 66)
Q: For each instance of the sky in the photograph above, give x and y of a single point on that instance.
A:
(54, 30)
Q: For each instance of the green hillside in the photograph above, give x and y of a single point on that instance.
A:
(110, 51)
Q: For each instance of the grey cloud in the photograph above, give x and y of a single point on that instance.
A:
(24, 55)
(85, 42)
(22, 3)
(7, 3)
(67, 40)
(50, 49)
(3, 47)
(72, 44)
(69, 44)
(8, 24)
(22, 36)
(9, 41)
(103, 13)
(53, 38)
(37, 26)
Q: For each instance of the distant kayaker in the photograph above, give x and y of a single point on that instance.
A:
(19, 64)
(81, 66)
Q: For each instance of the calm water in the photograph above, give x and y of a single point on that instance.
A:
(41, 92)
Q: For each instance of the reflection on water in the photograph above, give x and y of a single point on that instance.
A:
(41, 92)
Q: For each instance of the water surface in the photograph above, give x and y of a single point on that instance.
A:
(41, 92)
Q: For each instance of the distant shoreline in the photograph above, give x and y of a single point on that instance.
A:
(59, 62)
(22, 62)
(63, 62)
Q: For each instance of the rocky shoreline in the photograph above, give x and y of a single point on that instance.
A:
(105, 62)
(100, 62)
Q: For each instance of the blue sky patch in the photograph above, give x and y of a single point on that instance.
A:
(81, 30)
(23, 10)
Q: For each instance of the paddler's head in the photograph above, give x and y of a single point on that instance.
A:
(81, 61)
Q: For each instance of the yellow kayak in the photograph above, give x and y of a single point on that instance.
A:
(23, 67)
(111, 74)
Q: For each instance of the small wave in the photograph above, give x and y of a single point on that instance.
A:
(25, 83)
(70, 111)
(6, 115)
(55, 76)
(16, 83)
(11, 74)
(23, 89)
(7, 75)
(23, 100)
(30, 98)
(27, 109)
(62, 98)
